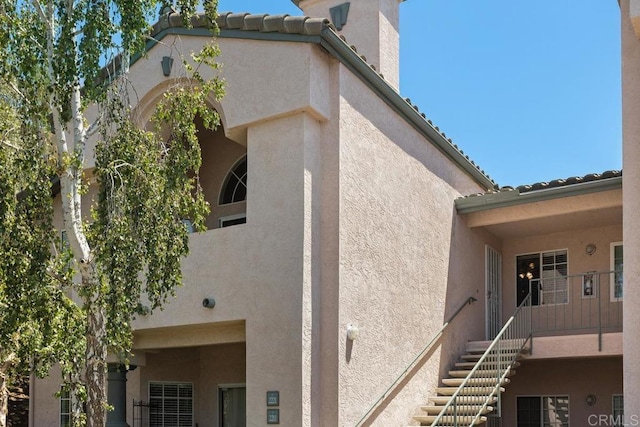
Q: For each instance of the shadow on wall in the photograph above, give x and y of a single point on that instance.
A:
(223, 176)
(466, 278)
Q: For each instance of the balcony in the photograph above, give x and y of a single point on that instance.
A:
(588, 305)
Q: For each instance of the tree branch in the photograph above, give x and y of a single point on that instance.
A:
(10, 145)
(42, 14)
(93, 127)
(13, 86)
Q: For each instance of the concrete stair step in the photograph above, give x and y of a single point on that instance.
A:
(485, 373)
(460, 409)
(473, 382)
(470, 365)
(471, 400)
(490, 358)
(486, 391)
(482, 346)
(449, 420)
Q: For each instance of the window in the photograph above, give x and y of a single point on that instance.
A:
(543, 411)
(188, 224)
(65, 408)
(545, 274)
(64, 241)
(171, 404)
(617, 270)
(617, 409)
(234, 188)
(227, 221)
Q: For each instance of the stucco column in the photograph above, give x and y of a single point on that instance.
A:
(631, 206)
(117, 395)
(372, 26)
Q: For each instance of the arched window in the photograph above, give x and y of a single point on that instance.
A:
(234, 188)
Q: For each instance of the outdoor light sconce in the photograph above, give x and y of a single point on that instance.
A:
(167, 63)
(339, 15)
(352, 332)
(209, 302)
(590, 249)
(591, 400)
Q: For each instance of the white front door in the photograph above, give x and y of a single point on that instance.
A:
(493, 285)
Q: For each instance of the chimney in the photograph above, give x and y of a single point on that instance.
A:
(372, 26)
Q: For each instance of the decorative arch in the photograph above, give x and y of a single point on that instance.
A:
(145, 106)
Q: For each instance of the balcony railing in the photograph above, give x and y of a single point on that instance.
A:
(584, 303)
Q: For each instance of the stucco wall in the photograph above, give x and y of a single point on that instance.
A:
(372, 26)
(576, 378)
(46, 407)
(350, 219)
(254, 270)
(631, 197)
(397, 225)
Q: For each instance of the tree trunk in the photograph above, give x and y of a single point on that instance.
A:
(96, 366)
(4, 400)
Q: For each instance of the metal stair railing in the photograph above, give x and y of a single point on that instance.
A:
(413, 363)
(482, 387)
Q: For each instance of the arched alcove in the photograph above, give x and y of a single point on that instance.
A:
(223, 171)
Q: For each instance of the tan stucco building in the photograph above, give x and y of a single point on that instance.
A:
(347, 230)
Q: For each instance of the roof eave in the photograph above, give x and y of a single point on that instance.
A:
(513, 198)
(338, 48)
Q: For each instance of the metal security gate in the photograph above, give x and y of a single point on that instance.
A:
(493, 284)
(140, 413)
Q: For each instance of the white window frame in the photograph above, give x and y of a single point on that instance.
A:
(222, 219)
(177, 383)
(540, 293)
(612, 279)
(225, 181)
(65, 396)
(542, 399)
(554, 279)
(64, 241)
(188, 224)
(617, 408)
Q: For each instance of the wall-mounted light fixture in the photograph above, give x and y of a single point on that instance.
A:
(591, 399)
(167, 63)
(339, 15)
(352, 332)
(590, 249)
(209, 302)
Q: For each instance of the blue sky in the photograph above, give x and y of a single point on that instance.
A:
(529, 90)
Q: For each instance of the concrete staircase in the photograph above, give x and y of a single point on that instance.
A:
(480, 395)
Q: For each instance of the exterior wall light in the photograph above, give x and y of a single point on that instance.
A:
(591, 400)
(209, 302)
(352, 332)
(590, 249)
(339, 15)
(167, 63)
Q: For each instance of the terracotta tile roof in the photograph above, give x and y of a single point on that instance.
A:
(305, 26)
(556, 183)
(568, 181)
(266, 23)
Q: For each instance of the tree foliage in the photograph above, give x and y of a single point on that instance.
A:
(72, 303)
